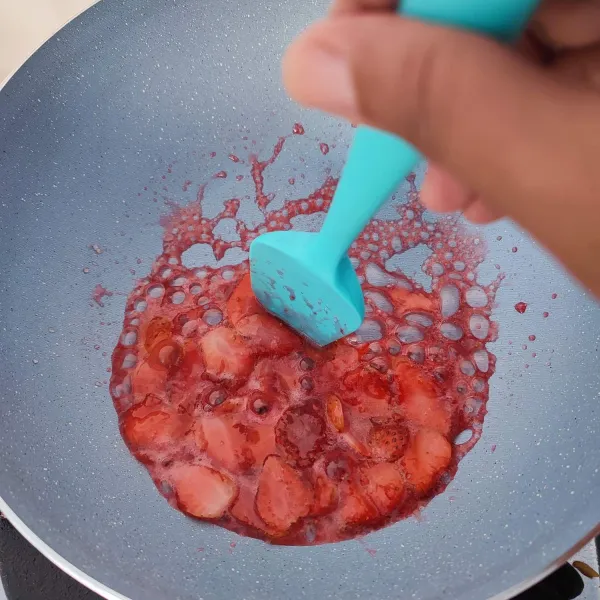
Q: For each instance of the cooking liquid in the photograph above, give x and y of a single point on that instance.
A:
(242, 422)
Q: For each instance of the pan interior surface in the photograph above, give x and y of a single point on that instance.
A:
(130, 93)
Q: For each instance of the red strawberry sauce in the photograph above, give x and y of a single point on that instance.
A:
(242, 422)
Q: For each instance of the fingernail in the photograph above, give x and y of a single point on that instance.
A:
(321, 78)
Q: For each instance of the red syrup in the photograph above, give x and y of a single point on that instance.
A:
(243, 423)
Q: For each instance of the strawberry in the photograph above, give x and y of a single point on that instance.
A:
(301, 434)
(356, 509)
(384, 486)
(152, 426)
(283, 497)
(243, 303)
(421, 400)
(368, 390)
(201, 491)
(428, 455)
(236, 446)
(225, 355)
(158, 330)
(147, 380)
(387, 441)
(335, 412)
(268, 335)
(406, 301)
(325, 496)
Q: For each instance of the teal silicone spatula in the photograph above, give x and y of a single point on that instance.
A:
(306, 279)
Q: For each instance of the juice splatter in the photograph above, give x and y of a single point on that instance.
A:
(521, 307)
(243, 423)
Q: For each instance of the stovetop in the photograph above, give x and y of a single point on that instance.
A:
(27, 575)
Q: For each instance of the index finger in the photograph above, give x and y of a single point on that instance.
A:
(353, 6)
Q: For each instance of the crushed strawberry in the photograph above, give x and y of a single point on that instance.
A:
(235, 445)
(266, 335)
(201, 491)
(226, 356)
(283, 496)
(243, 302)
(384, 486)
(325, 496)
(388, 440)
(421, 399)
(406, 301)
(356, 509)
(428, 455)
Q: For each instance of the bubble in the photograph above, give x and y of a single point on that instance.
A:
(369, 331)
(409, 334)
(473, 406)
(166, 272)
(419, 319)
(479, 326)
(190, 328)
(212, 316)
(378, 277)
(178, 281)
(129, 361)
(478, 384)
(228, 275)
(482, 360)
(203, 301)
(451, 331)
(140, 305)
(476, 297)
(467, 368)
(416, 354)
(195, 290)
(450, 300)
(380, 301)
(129, 338)
(178, 298)
(437, 269)
(463, 437)
(459, 266)
(156, 291)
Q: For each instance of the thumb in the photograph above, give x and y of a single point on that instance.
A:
(476, 108)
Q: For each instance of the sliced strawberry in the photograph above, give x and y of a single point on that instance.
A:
(225, 354)
(236, 446)
(147, 380)
(428, 455)
(158, 330)
(335, 412)
(198, 436)
(345, 358)
(167, 355)
(325, 496)
(201, 491)
(283, 497)
(421, 400)
(243, 303)
(356, 509)
(268, 335)
(301, 434)
(151, 426)
(406, 301)
(384, 486)
(388, 441)
(368, 391)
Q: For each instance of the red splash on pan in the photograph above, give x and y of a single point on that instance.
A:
(242, 422)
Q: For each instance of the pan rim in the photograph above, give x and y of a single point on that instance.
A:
(110, 594)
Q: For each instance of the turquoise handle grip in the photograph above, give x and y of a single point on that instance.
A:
(379, 161)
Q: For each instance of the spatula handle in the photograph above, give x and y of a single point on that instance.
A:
(379, 161)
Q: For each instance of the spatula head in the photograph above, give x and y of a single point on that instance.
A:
(292, 280)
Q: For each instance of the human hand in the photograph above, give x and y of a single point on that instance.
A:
(508, 131)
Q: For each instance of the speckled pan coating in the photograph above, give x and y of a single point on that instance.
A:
(92, 118)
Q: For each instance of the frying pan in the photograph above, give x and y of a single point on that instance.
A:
(122, 95)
